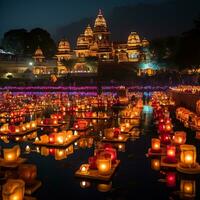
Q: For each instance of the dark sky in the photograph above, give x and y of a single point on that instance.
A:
(51, 14)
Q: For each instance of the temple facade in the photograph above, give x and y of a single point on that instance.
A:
(94, 42)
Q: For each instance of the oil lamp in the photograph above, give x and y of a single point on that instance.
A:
(155, 145)
(44, 139)
(120, 137)
(179, 137)
(171, 154)
(52, 138)
(104, 164)
(33, 124)
(13, 189)
(60, 138)
(188, 156)
(10, 155)
(84, 169)
(37, 139)
(28, 149)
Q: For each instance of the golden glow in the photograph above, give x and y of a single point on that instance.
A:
(104, 166)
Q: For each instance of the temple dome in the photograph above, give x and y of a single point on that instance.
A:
(145, 43)
(39, 53)
(134, 39)
(82, 40)
(88, 31)
(100, 20)
(63, 46)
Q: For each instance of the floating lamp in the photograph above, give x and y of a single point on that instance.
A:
(188, 162)
(179, 137)
(171, 154)
(104, 164)
(84, 168)
(155, 145)
(28, 149)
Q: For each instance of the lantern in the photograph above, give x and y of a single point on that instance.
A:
(60, 138)
(188, 188)
(11, 155)
(33, 124)
(27, 172)
(120, 137)
(171, 154)
(188, 155)
(155, 145)
(44, 139)
(84, 168)
(104, 164)
(168, 127)
(179, 137)
(13, 190)
(28, 149)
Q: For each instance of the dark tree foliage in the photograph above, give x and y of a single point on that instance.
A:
(39, 37)
(189, 49)
(15, 41)
(22, 42)
(165, 49)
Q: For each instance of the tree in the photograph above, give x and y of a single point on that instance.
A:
(15, 41)
(41, 38)
(189, 49)
(21, 42)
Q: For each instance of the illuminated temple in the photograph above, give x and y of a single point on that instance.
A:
(95, 42)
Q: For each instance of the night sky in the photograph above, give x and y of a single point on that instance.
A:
(50, 14)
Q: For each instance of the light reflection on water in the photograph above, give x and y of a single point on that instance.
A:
(134, 179)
